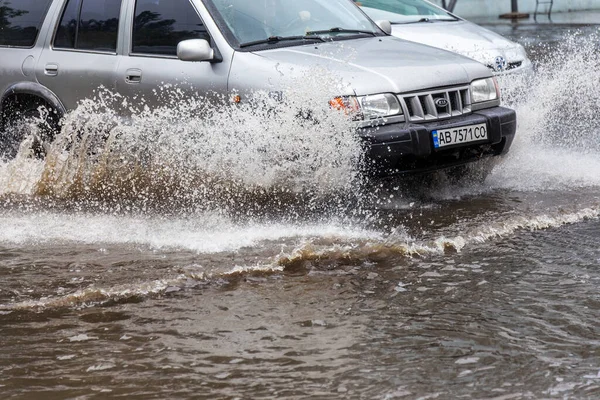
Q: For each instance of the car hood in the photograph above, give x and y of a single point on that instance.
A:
(368, 65)
(462, 37)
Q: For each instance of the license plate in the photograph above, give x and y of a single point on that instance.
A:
(460, 135)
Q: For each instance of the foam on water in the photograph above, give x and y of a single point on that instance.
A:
(215, 234)
(95, 295)
(207, 233)
(404, 245)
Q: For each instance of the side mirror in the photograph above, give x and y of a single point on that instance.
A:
(385, 26)
(195, 50)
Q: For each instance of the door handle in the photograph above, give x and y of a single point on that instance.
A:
(51, 69)
(133, 76)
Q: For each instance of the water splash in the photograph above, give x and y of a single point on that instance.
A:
(194, 152)
(558, 140)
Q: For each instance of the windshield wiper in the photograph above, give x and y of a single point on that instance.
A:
(341, 30)
(443, 19)
(426, 20)
(277, 39)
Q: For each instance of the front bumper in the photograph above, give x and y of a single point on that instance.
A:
(408, 148)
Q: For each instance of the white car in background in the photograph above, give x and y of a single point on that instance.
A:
(423, 22)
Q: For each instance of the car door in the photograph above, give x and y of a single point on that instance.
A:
(81, 55)
(150, 71)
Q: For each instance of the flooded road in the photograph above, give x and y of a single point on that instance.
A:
(123, 283)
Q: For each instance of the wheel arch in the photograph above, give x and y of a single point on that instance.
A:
(32, 89)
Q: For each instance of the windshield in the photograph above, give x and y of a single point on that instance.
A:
(404, 11)
(253, 22)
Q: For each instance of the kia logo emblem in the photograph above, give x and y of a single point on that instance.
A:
(441, 102)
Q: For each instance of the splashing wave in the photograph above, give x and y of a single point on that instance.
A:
(558, 138)
(196, 152)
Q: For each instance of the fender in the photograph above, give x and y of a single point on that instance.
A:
(35, 89)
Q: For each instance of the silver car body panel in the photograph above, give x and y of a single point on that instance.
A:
(367, 65)
(151, 72)
(468, 39)
(74, 75)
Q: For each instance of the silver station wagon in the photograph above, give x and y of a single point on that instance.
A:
(416, 107)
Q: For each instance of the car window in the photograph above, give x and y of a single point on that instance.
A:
(249, 21)
(89, 25)
(20, 21)
(401, 11)
(159, 25)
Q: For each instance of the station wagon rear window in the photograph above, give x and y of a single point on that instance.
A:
(403, 11)
(20, 21)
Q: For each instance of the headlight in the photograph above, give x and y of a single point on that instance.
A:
(484, 90)
(368, 107)
(379, 105)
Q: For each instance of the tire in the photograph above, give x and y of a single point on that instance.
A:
(23, 116)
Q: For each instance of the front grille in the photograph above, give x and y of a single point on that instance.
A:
(513, 65)
(509, 66)
(434, 105)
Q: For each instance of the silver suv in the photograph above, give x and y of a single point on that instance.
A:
(418, 108)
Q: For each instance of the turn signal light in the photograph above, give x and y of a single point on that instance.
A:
(349, 105)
